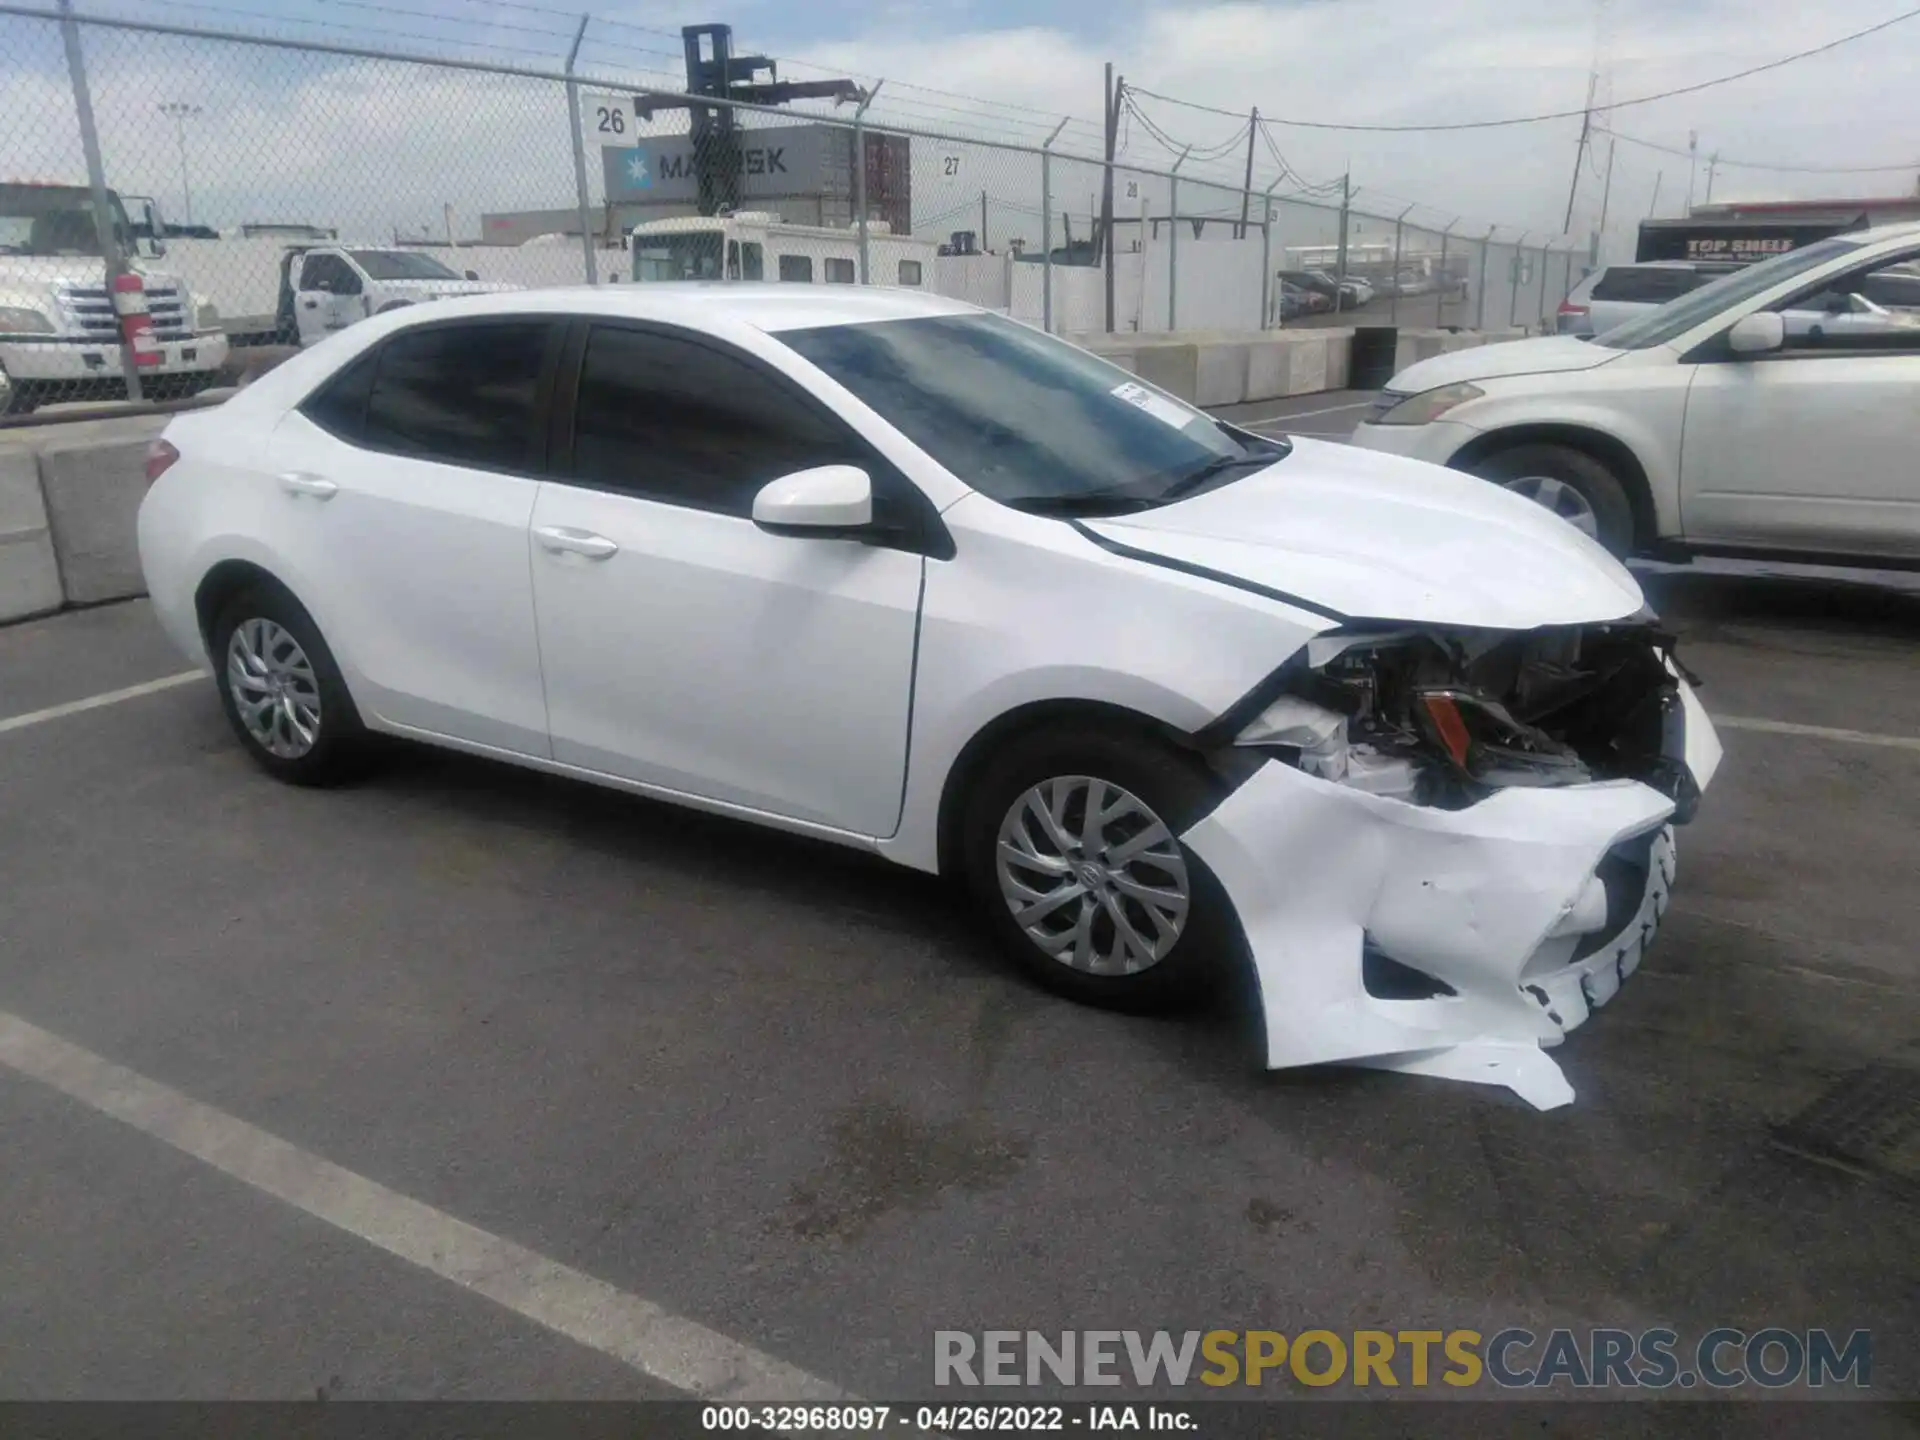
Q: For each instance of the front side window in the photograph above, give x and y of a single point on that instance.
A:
(668, 419)
(460, 394)
(328, 273)
(1677, 317)
(1875, 308)
(909, 272)
(1029, 420)
(797, 268)
(693, 256)
(400, 265)
(753, 260)
(840, 272)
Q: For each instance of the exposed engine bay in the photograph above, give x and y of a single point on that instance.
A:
(1445, 718)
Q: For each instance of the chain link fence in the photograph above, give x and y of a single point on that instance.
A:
(182, 206)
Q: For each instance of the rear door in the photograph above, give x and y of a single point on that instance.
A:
(405, 488)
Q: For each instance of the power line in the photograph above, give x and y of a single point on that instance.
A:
(1908, 168)
(1693, 89)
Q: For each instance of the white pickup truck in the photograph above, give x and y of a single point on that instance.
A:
(59, 333)
(325, 288)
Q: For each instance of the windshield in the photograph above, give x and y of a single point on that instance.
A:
(1029, 420)
(400, 265)
(1677, 317)
(52, 220)
(694, 256)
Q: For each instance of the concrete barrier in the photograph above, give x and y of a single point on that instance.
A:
(29, 572)
(92, 477)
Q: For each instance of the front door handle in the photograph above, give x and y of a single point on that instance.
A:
(564, 540)
(296, 482)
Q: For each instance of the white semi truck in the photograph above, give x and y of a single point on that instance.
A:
(758, 245)
(59, 332)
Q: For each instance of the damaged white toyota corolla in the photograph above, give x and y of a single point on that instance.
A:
(890, 571)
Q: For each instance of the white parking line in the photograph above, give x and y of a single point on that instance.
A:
(94, 702)
(664, 1346)
(1816, 732)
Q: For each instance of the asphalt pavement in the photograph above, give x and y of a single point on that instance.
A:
(467, 1082)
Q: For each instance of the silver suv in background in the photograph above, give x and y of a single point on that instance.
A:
(1619, 293)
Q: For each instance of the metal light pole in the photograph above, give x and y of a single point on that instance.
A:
(1173, 241)
(860, 176)
(179, 111)
(1046, 229)
(1440, 305)
(589, 262)
(1393, 302)
(1513, 292)
(103, 226)
(1266, 256)
(1480, 286)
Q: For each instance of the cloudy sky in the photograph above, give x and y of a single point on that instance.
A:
(380, 144)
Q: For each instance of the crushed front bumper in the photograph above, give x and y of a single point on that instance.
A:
(1520, 911)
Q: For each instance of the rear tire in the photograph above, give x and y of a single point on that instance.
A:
(282, 691)
(1547, 472)
(1089, 930)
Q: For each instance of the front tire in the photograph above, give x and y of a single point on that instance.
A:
(282, 691)
(1572, 484)
(1070, 847)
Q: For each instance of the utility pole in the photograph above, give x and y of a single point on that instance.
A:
(1654, 204)
(983, 222)
(179, 111)
(1606, 195)
(1580, 150)
(1713, 164)
(1246, 185)
(1346, 207)
(1693, 164)
(1115, 87)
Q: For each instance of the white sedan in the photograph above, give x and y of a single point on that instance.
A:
(1769, 412)
(1165, 695)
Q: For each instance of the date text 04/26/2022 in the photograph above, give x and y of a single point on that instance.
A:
(946, 1419)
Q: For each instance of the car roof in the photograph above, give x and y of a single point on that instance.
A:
(713, 304)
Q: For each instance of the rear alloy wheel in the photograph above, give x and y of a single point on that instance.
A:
(282, 691)
(1572, 484)
(1071, 847)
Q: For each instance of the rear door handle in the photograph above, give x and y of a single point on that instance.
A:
(296, 482)
(564, 540)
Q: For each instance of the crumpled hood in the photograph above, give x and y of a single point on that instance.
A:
(1544, 355)
(1381, 537)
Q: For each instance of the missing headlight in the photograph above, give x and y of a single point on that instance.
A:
(1445, 718)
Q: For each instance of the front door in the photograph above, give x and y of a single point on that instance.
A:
(328, 297)
(685, 648)
(1816, 446)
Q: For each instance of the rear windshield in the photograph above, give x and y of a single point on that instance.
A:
(1648, 284)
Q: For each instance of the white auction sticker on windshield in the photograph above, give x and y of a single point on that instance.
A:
(1158, 406)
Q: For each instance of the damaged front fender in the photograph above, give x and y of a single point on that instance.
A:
(1521, 913)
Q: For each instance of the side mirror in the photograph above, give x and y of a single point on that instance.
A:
(1757, 334)
(829, 501)
(473, 274)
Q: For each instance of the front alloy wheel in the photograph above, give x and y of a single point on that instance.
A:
(1092, 876)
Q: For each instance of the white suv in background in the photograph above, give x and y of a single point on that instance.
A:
(1775, 410)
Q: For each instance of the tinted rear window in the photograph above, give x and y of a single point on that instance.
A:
(1647, 285)
(461, 394)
